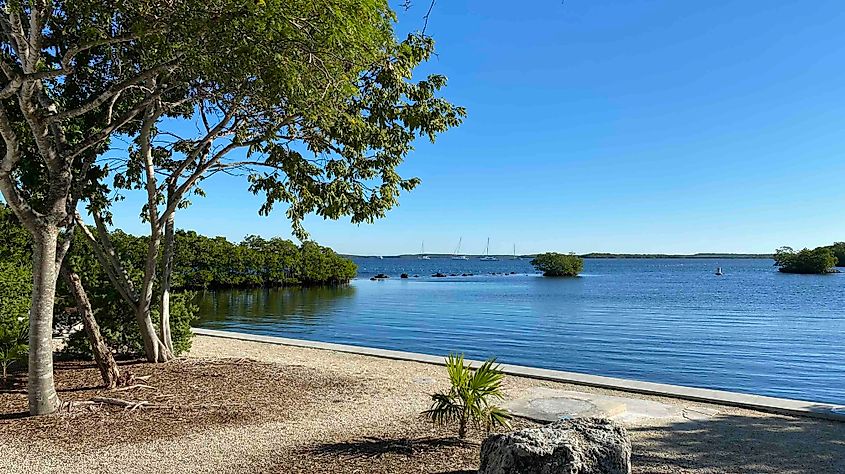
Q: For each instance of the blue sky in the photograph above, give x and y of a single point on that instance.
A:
(622, 126)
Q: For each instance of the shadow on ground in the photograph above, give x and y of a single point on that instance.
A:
(734, 443)
(376, 447)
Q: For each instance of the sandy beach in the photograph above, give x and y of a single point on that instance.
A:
(237, 406)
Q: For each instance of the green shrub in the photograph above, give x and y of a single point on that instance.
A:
(469, 398)
(838, 249)
(120, 329)
(15, 294)
(558, 264)
(818, 260)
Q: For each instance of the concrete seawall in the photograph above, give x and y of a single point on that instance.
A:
(720, 397)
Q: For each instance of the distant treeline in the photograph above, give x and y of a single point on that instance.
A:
(213, 262)
(602, 255)
(202, 262)
(659, 255)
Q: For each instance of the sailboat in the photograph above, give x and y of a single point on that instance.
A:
(514, 253)
(487, 257)
(457, 255)
(423, 256)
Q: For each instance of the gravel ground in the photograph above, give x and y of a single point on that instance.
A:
(253, 407)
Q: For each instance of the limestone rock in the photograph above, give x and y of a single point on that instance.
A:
(576, 446)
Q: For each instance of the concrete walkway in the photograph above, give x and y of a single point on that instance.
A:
(721, 397)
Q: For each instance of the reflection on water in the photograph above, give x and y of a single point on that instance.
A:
(752, 330)
(289, 306)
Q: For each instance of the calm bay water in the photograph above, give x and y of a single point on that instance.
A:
(752, 330)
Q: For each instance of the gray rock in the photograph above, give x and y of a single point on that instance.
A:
(576, 446)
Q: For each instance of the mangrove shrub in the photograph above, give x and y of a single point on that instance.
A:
(838, 249)
(818, 260)
(558, 264)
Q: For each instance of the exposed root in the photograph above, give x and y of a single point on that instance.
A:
(132, 405)
(132, 387)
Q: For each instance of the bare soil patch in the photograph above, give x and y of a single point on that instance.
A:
(184, 396)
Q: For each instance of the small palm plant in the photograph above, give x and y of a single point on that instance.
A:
(469, 399)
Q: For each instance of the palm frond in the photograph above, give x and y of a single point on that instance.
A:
(468, 399)
(443, 410)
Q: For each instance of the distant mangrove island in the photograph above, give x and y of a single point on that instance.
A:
(816, 261)
(588, 255)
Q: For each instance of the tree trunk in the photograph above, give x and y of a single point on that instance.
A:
(166, 272)
(155, 349)
(41, 389)
(102, 353)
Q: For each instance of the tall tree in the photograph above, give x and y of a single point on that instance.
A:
(75, 72)
(71, 72)
(322, 132)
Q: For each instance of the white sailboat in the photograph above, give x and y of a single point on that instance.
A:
(514, 253)
(487, 257)
(457, 255)
(423, 256)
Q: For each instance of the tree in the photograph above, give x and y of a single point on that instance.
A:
(16, 250)
(76, 72)
(71, 76)
(322, 131)
(806, 261)
(558, 264)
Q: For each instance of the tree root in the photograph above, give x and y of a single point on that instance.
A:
(132, 405)
(132, 387)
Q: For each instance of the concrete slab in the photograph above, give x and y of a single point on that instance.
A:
(558, 405)
(546, 404)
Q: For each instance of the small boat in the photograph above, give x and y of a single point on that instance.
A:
(487, 257)
(423, 256)
(719, 271)
(380, 257)
(457, 255)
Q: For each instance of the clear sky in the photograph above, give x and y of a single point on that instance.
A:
(596, 125)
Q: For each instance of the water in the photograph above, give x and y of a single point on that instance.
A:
(753, 330)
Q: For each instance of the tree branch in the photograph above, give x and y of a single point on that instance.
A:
(107, 257)
(120, 87)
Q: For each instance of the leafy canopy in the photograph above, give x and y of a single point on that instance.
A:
(558, 264)
(838, 249)
(806, 261)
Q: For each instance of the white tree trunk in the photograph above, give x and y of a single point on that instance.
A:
(167, 270)
(155, 350)
(41, 389)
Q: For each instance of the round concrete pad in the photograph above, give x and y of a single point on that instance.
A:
(545, 404)
(553, 408)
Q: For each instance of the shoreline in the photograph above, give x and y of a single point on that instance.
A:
(269, 408)
(783, 406)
